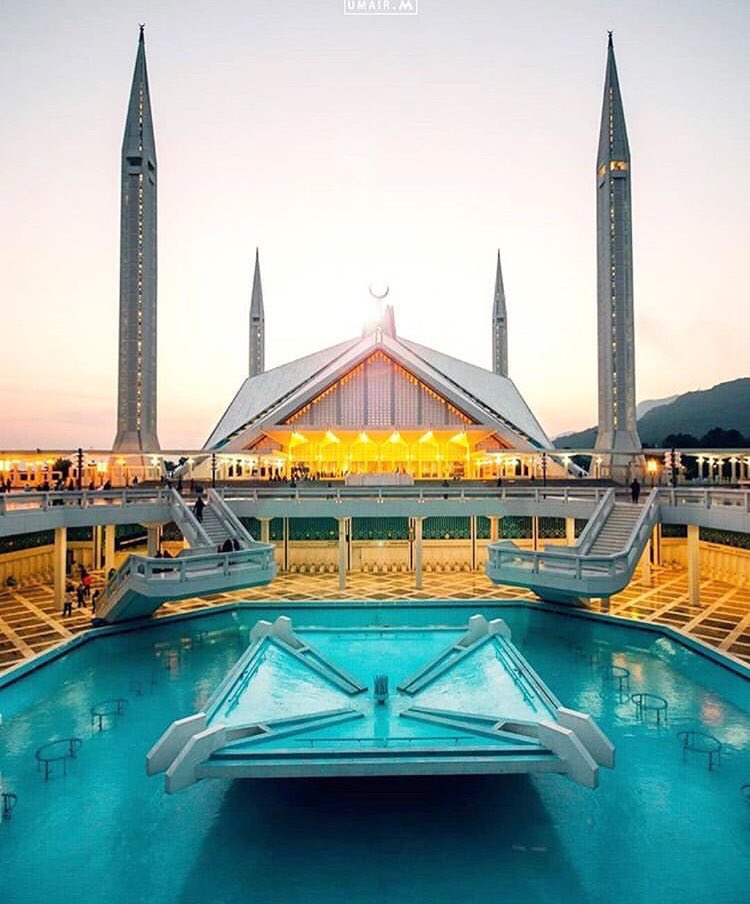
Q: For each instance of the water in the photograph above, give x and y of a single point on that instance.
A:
(655, 828)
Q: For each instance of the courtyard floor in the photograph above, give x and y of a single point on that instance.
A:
(31, 623)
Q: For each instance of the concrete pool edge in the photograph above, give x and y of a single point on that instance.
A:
(723, 659)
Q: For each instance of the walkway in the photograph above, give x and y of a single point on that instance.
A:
(29, 622)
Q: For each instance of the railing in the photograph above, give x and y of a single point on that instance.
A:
(230, 522)
(596, 522)
(705, 498)
(189, 526)
(37, 501)
(156, 572)
(506, 557)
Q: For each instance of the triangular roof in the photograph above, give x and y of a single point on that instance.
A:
(270, 397)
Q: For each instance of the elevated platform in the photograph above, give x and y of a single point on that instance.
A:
(423, 701)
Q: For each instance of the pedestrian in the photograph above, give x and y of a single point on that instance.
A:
(635, 491)
(95, 600)
(67, 605)
(80, 596)
(236, 544)
(111, 573)
(198, 508)
(86, 581)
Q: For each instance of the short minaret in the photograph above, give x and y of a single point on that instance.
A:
(136, 390)
(499, 326)
(257, 324)
(618, 430)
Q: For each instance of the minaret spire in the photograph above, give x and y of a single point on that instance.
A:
(618, 430)
(136, 392)
(499, 325)
(257, 324)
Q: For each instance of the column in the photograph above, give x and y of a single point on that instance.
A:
(693, 563)
(646, 561)
(109, 547)
(97, 535)
(153, 539)
(418, 552)
(285, 526)
(535, 532)
(570, 531)
(473, 535)
(656, 545)
(265, 530)
(343, 529)
(59, 557)
(494, 528)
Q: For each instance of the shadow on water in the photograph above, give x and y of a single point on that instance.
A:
(456, 838)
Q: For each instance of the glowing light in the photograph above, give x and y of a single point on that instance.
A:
(395, 437)
(460, 438)
(428, 438)
(331, 437)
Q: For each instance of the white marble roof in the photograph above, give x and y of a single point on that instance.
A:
(272, 395)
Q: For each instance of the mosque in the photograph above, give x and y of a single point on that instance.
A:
(378, 406)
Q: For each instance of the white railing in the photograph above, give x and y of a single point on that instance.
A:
(705, 498)
(596, 522)
(37, 501)
(230, 522)
(190, 528)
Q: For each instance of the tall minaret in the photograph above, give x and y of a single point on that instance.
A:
(136, 391)
(499, 326)
(257, 325)
(616, 341)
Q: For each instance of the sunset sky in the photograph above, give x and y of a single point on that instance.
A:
(401, 149)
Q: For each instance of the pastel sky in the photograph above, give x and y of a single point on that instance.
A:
(354, 149)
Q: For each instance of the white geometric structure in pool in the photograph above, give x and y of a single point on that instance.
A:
(453, 701)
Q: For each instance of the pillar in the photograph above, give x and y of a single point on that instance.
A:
(265, 530)
(570, 531)
(535, 532)
(693, 564)
(97, 535)
(494, 528)
(343, 539)
(646, 561)
(656, 545)
(418, 553)
(473, 535)
(59, 557)
(109, 547)
(153, 539)
(285, 529)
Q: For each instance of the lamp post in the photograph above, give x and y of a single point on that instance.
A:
(651, 467)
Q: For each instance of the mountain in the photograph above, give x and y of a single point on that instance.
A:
(644, 407)
(726, 405)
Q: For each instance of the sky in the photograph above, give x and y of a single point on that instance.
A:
(366, 149)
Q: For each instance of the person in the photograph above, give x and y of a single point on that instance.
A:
(198, 508)
(236, 544)
(158, 554)
(80, 596)
(227, 546)
(135, 481)
(111, 573)
(95, 600)
(635, 490)
(179, 485)
(67, 605)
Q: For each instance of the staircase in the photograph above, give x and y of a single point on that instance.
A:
(214, 527)
(599, 565)
(616, 530)
(142, 584)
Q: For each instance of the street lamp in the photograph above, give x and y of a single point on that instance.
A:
(652, 467)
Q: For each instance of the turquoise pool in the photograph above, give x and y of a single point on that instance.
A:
(656, 827)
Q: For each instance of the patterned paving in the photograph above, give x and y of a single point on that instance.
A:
(30, 622)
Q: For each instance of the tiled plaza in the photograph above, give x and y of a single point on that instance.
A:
(30, 622)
